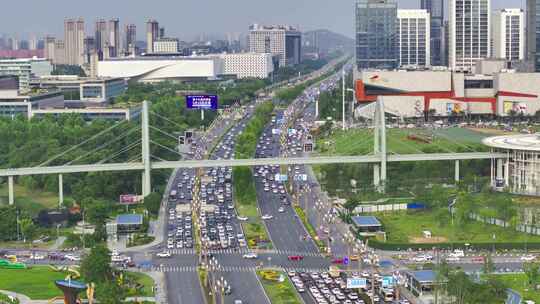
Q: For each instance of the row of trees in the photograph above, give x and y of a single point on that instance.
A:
(246, 143)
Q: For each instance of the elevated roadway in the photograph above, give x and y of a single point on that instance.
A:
(249, 162)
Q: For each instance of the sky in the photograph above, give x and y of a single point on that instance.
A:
(187, 19)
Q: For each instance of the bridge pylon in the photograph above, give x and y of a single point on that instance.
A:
(146, 175)
(379, 147)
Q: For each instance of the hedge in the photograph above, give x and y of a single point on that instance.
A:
(447, 245)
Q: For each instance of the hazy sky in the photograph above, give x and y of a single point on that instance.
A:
(188, 18)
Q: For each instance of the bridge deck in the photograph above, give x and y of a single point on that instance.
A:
(248, 162)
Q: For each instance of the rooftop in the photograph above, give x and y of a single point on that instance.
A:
(366, 221)
(524, 142)
(129, 219)
(423, 276)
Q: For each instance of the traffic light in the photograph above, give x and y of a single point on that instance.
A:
(181, 140)
(308, 147)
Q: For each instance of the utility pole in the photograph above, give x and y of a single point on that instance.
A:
(60, 190)
(343, 103)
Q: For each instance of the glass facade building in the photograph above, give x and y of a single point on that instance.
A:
(436, 10)
(533, 33)
(470, 33)
(376, 34)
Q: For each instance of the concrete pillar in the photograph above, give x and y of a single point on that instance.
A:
(376, 175)
(382, 134)
(11, 193)
(60, 190)
(499, 172)
(456, 171)
(507, 172)
(146, 181)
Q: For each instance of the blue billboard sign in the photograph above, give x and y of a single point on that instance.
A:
(202, 102)
(356, 283)
(388, 281)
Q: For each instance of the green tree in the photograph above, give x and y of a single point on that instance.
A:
(96, 266)
(8, 224)
(28, 229)
(532, 271)
(97, 212)
(152, 203)
(109, 292)
(488, 266)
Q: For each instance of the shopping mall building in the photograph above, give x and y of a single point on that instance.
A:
(492, 90)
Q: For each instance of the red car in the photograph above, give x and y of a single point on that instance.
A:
(295, 258)
(337, 261)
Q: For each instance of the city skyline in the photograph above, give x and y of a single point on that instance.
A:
(307, 14)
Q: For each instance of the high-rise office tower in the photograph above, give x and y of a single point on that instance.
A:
(435, 9)
(101, 38)
(470, 33)
(533, 33)
(33, 43)
(283, 40)
(414, 37)
(114, 37)
(152, 34)
(48, 52)
(509, 34)
(131, 37)
(376, 34)
(89, 48)
(74, 41)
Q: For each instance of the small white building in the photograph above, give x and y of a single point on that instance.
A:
(248, 65)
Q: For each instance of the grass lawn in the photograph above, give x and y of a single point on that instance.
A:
(360, 141)
(36, 282)
(404, 227)
(144, 280)
(31, 200)
(280, 292)
(518, 283)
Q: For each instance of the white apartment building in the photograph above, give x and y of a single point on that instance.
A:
(414, 37)
(25, 69)
(283, 41)
(247, 65)
(509, 34)
(469, 33)
(166, 46)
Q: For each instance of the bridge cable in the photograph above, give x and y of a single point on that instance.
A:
(122, 151)
(166, 119)
(80, 144)
(103, 146)
(164, 133)
(167, 148)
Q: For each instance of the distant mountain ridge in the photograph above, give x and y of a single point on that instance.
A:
(325, 41)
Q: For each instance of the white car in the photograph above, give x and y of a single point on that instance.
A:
(528, 258)
(71, 257)
(281, 210)
(242, 218)
(451, 258)
(251, 255)
(37, 256)
(267, 217)
(164, 254)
